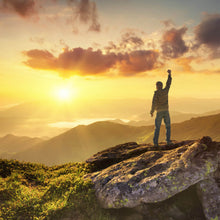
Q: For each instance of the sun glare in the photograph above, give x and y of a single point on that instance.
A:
(64, 94)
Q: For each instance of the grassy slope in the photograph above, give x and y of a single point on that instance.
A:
(35, 191)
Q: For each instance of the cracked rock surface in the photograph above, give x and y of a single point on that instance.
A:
(130, 175)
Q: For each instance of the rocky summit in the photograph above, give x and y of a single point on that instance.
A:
(180, 181)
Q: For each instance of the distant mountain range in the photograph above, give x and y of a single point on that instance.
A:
(176, 117)
(80, 142)
(37, 118)
(191, 129)
(11, 144)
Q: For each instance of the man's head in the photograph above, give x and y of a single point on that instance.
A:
(159, 85)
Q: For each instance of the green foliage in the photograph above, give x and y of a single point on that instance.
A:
(34, 191)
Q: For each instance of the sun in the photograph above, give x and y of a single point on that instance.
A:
(64, 94)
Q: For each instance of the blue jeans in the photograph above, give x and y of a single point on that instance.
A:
(166, 117)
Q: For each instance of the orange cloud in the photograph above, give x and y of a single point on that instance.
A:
(185, 63)
(40, 59)
(137, 61)
(89, 62)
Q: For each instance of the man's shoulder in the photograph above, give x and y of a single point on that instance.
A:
(166, 89)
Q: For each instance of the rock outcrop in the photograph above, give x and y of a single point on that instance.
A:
(136, 176)
(209, 194)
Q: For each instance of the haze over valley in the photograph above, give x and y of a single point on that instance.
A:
(45, 119)
(79, 143)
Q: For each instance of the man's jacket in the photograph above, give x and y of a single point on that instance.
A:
(160, 99)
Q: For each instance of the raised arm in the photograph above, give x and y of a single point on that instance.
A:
(169, 80)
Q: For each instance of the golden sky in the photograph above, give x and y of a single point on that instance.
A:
(83, 49)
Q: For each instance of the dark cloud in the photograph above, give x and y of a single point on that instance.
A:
(138, 61)
(173, 45)
(112, 47)
(40, 59)
(208, 34)
(86, 61)
(24, 8)
(79, 61)
(85, 11)
(130, 41)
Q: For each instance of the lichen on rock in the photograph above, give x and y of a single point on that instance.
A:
(150, 175)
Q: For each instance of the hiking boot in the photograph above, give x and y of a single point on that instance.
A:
(170, 143)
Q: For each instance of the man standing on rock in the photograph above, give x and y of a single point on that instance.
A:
(160, 104)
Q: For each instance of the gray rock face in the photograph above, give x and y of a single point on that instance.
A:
(209, 194)
(150, 176)
(121, 152)
(183, 206)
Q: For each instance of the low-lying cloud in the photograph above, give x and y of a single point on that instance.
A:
(79, 61)
(173, 45)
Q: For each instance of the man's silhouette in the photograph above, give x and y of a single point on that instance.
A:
(160, 104)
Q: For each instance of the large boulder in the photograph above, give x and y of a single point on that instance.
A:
(121, 152)
(183, 206)
(155, 175)
(209, 194)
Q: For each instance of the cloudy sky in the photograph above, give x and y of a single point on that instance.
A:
(84, 49)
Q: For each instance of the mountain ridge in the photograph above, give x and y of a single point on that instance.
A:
(35, 118)
(11, 144)
(80, 142)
